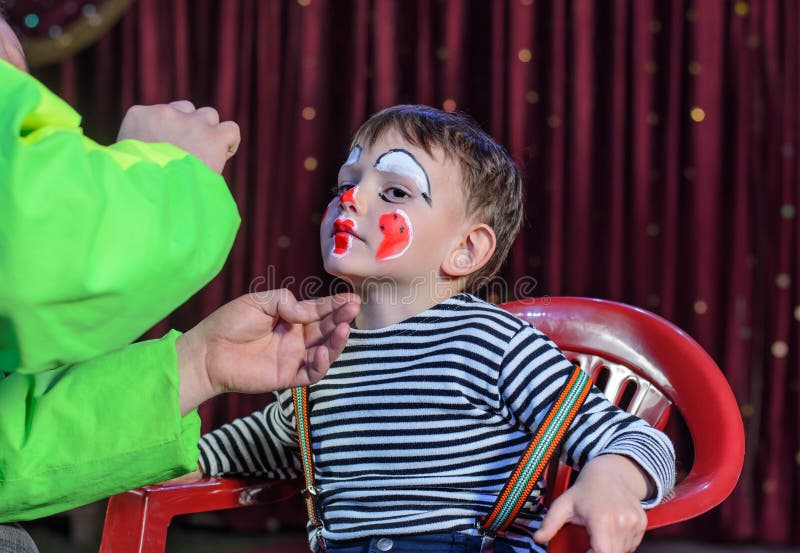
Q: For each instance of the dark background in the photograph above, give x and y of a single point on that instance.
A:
(659, 142)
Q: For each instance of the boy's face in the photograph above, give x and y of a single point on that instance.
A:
(396, 213)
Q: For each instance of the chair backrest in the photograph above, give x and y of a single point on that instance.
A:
(640, 360)
(649, 367)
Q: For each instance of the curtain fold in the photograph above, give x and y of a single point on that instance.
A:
(658, 139)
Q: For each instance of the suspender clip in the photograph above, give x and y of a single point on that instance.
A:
(487, 544)
(487, 538)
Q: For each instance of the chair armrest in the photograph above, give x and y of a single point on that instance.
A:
(137, 520)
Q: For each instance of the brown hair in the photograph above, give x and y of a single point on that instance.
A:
(491, 181)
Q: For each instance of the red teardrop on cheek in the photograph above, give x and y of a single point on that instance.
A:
(397, 235)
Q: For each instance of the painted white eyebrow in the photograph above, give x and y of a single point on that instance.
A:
(404, 163)
(353, 157)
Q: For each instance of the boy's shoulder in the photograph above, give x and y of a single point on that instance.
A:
(468, 305)
(481, 311)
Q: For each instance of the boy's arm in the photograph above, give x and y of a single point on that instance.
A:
(533, 374)
(261, 444)
(621, 457)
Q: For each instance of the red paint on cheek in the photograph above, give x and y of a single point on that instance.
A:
(397, 235)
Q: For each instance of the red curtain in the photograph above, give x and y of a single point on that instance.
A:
(659, 142)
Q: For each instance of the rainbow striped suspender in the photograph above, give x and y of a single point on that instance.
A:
(310, 493)
(533, 462)
(519, 485)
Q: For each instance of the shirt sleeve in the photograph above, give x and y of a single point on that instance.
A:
(261, 444)
(79, 433)
(96, 243)
(533, 373)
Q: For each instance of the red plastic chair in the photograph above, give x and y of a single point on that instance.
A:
(640, 360)
(653, 367)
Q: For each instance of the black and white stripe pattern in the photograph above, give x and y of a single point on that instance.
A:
(417, 426)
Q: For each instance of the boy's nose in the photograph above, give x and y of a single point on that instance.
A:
(349, 200)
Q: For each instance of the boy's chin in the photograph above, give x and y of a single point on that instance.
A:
(351, 270)
(342, 267)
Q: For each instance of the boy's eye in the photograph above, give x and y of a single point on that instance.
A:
(393, 194)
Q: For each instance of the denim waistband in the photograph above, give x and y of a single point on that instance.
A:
(454, 542)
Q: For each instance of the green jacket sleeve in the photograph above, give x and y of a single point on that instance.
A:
(96, 243)
(76, 434)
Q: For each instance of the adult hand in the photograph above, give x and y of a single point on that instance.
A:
(198, 131)
(606, 500)
(261, 343)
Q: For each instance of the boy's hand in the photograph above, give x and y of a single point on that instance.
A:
(262, 342)
(198, 131)
(189, 478)
(605, 499)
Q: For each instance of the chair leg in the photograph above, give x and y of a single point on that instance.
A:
(133, 525)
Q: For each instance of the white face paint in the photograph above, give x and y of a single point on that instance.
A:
(403, 163)
(352, 159)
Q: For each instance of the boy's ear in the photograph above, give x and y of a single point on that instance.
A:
(472, 253)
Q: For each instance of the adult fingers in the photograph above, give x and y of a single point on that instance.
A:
(328, 311)
(320, 357)
(337, 341)
(231, 135)
(319, 331)
(183, 105)
(209, 114)
(277, 304)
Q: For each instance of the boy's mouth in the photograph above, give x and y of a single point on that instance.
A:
(345, 226)
(343, 234)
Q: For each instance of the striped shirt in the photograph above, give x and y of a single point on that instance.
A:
(417, 426)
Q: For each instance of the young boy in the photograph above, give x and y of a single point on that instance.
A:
(420, 421)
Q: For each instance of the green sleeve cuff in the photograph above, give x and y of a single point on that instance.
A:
(190, 422)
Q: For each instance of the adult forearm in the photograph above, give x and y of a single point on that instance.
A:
(93, 429)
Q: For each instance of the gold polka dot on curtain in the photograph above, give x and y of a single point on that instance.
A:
(83, 32)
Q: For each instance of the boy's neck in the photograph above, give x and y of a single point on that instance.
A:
(382, 306)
